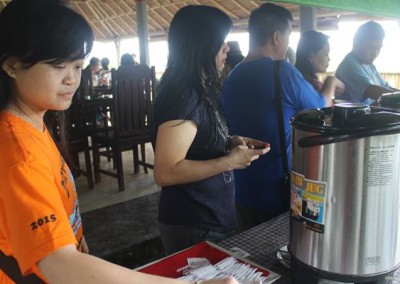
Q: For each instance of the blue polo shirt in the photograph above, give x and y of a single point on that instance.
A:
(248, 104)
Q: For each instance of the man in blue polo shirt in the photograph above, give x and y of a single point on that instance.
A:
(249, 108)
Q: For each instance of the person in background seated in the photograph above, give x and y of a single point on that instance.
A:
(104, 72)
(135, 58)
(233, 58)
(41, 236)
(93, 68)
(194, 155)
(104, 64)
(363, 82)
(312, 57)
(248, 103)
(127, 60)
(234, 55)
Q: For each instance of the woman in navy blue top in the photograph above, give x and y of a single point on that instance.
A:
(194, 155)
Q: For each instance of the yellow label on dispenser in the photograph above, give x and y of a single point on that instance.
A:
(308, 199)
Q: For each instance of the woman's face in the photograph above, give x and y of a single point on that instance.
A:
(220, 59)
(47, 86)
(320, 59)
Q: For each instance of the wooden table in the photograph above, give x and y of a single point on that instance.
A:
(102, 90)
(100, 105)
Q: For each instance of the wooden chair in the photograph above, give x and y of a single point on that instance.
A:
(75, 140)
(86, 86)
(133, 89)
(79, 124)
(94, 110)
(86, 94)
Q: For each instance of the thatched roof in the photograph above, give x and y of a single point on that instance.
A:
(112, 19)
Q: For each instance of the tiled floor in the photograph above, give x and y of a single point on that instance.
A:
(106, 192)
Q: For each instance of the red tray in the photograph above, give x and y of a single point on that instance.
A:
(168, 266)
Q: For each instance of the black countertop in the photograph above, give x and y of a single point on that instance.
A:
(263, 242)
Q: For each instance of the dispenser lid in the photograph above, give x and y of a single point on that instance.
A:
(345, 122)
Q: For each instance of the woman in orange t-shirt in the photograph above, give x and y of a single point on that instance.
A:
(41, 239)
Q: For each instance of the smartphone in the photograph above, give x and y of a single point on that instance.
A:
(259, 146)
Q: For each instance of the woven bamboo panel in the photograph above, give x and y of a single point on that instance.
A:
(113, 19)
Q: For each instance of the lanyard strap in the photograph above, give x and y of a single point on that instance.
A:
(279, 111)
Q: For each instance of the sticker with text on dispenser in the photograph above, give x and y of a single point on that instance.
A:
(307, 201)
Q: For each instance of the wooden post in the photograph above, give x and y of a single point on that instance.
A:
(142, 31)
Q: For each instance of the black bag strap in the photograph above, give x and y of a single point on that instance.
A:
(10, 267)
(279, 111)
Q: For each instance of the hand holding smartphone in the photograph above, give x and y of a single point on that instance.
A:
(259, 146)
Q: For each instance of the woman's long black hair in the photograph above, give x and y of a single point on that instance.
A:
(34, 31)
(310, 42)
(196, 34)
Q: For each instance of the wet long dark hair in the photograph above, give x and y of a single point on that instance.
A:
(195, 36)
(310, 43)
(35, 31)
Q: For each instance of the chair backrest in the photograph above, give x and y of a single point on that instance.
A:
(133, 89)
(86, 86)
(74, 121)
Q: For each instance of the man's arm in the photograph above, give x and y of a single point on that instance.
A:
(375, 91)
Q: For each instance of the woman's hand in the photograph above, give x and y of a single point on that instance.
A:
(222, 281)
(240, 157)
(235, 140)
(245, 141)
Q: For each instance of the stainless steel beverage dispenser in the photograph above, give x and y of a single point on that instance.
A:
(345, 194)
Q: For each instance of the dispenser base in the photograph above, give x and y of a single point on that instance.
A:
(302, 273)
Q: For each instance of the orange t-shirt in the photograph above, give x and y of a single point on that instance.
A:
(39, 210)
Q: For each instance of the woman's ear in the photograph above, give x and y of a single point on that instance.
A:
(9, 66)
